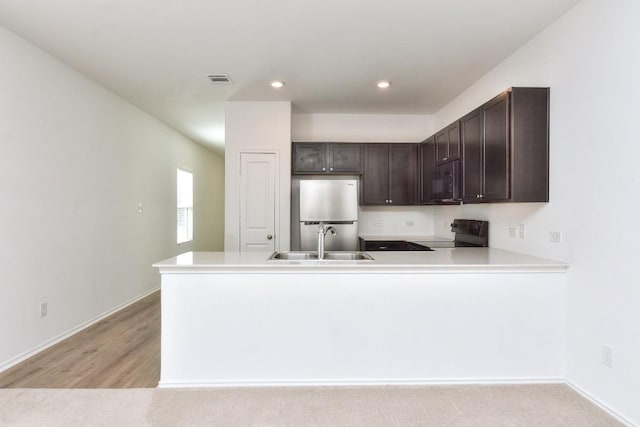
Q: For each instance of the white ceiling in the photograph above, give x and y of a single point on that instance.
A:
(157, 53)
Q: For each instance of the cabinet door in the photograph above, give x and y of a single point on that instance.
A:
(345, 158)
(471, 137)
(442, 146)
(427, 166)
(447, 143)
(309, 157)
(453, 134)
(375, 174)
(496, 149)
(403, 168)
(529, 132)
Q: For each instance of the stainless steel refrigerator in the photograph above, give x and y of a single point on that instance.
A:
(332, 201)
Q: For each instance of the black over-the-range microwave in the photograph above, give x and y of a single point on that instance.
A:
(445, 185)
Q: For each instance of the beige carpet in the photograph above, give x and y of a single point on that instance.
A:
(513, 405)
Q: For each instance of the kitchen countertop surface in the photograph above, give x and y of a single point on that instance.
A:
(445, 260)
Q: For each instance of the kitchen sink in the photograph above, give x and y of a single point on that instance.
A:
(313, 256)
(294, 256)
(348, 256)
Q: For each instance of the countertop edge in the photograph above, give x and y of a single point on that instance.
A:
(447, 261)
(362, 269)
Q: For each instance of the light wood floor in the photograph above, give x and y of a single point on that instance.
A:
(121, 351)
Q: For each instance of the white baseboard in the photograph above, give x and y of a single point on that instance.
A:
(359, 382)
(599, 403)
(29, 353)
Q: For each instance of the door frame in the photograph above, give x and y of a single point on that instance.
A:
(238, 162)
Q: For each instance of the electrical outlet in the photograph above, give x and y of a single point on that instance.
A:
(522, 231)
(43, 309)
(139, 207)
(377, 223)
(607, 356)
(512, 231)
(410, 223)
(555, 236)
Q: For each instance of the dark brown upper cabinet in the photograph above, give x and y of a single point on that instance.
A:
(447, 143)
(389, 175)
(309, 157)
(472, 145)
(426, 154)
(329, 158)
(345, 158)
(505, 148)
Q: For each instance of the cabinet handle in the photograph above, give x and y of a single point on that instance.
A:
(330, 169)
(390, 201)
(324, 169)
(269, 236)
(445, 158)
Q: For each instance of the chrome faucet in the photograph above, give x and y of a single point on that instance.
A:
(322, 232)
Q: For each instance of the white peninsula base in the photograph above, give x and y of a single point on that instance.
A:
(359, 324)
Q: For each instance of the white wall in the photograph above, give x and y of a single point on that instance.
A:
(395, 220)
(257, 126)
(589, 58)
(75, 161)
(361, 127)
(373, 128)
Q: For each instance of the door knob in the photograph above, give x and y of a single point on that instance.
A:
(269, 236)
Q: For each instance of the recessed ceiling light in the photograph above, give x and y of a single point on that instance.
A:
(383, 84)
(277, 84)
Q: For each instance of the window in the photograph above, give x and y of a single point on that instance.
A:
(185, 206)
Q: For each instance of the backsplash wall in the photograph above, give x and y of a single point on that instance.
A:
(536, 218)
(395, 220)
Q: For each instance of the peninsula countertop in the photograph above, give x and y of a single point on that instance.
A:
(445, 260)
(238, 319)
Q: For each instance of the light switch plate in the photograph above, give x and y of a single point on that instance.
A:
(43, 309)
(522, 231)
(607, 356)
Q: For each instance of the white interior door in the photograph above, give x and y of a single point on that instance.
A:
(257, 201)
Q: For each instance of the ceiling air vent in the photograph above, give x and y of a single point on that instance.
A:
(220, 79)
